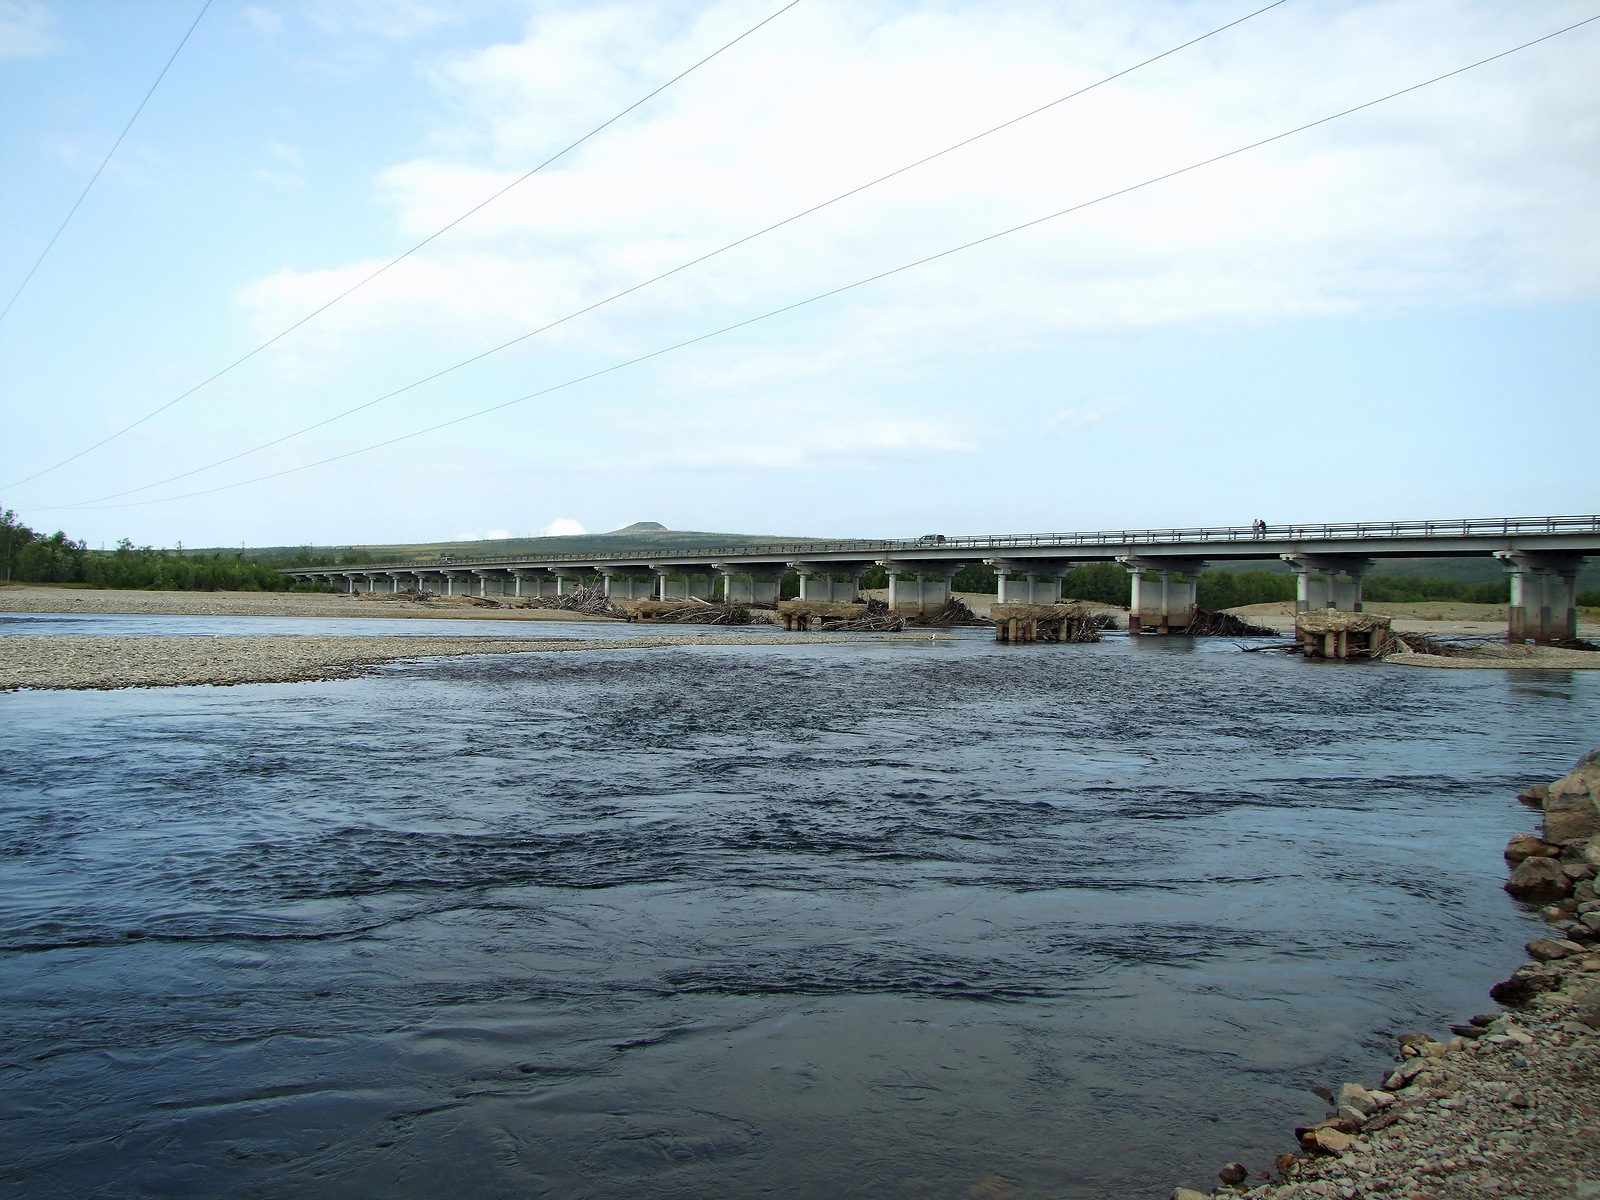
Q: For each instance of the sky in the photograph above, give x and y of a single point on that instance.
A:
(1392, 315)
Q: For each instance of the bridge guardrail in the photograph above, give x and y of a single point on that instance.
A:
(1193, 536)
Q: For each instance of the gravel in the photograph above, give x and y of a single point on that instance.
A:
(1505, 657)
(121, 662)
(36, 599)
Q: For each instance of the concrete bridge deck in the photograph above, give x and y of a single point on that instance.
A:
(1541, 554)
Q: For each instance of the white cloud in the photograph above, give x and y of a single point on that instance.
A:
(1477, 190)
(25, 30)
(562, 527)
(1086, 413)
(265, 21)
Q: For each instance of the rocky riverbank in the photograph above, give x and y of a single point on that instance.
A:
(122, 662)
(1507, 1103)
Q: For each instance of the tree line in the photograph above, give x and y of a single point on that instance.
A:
(27, 556)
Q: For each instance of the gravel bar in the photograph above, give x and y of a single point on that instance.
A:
(1504, 658)
(123, 662)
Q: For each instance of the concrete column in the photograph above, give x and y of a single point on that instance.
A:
(1135, 600)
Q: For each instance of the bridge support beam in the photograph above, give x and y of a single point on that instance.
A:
(1158, 600)
(1543, 596)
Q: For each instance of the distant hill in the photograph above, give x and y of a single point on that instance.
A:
(643, 535)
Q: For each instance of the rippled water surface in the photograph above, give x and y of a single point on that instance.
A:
(815, 921)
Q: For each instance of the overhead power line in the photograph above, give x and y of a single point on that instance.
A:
(787, 308)
(97, 171)
(399, 258)
(628, 291)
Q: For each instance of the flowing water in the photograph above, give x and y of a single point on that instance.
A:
(870, 920)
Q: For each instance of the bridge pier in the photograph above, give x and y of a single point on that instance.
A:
(751, 583)
(1040, 582)
(1329, 591)
(1543, 596)
(926, 593)
(819, 585)
(1157, 598)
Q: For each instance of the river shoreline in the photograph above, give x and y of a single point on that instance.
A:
(1507, 1104)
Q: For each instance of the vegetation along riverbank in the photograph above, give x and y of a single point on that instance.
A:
(1505, 1103)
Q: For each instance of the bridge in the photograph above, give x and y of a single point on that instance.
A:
(1542, 556)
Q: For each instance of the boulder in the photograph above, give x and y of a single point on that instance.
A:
(1526, 983)
(1572, 803)
(1353, 1095)
(1407, 1073)
(1549, 949)
(1534, 795)
(1326, 1141)
(1234, 1174)
(1539, 881)
(1529, 845)
(1587, 1008)
(1188, 1194)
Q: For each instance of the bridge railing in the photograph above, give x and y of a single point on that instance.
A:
(1192, 536)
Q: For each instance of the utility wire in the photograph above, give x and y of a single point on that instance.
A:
(787, 308)
(355, 287)
(750, 237)
(93, 178)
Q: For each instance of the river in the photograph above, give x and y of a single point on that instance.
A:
(953, 921)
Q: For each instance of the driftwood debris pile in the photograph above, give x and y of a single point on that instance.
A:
(591, 601)
(1208, 623)
(877, 619)
(699, 612)
(951, 612)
